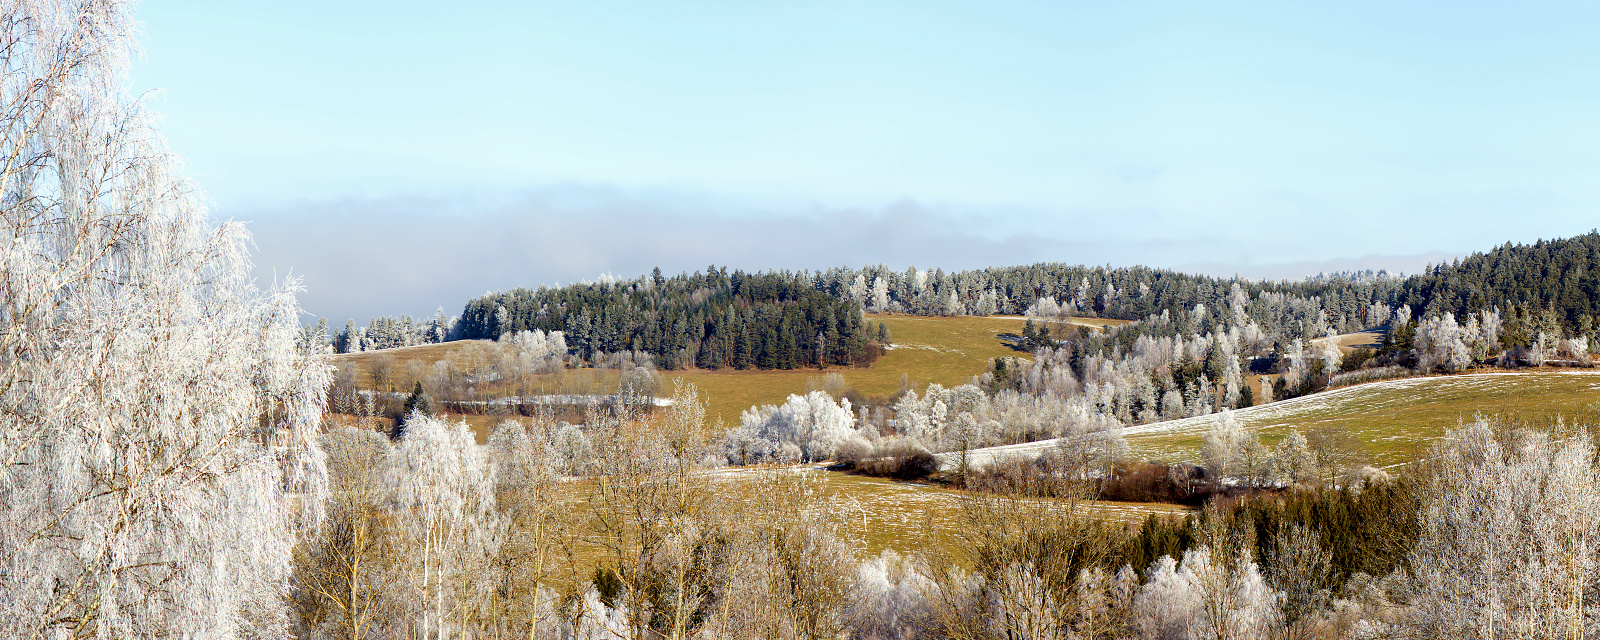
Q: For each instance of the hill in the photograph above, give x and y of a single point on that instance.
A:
(945, 350)
(948, 350)
(1385, 423)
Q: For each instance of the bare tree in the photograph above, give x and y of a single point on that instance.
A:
(342, 573)
(1027, 545)
(528, 561)
(646, 508)
(383, 369)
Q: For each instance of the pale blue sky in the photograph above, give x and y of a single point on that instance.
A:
(403, 156)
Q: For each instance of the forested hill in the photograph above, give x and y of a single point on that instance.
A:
(1556, 280)
(710, 320)
(718, 319)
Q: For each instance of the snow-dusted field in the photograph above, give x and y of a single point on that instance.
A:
(1377, 412)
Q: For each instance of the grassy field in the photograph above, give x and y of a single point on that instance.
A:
(946, 350)
(1385, 423)
(949, 351)
(871, 514)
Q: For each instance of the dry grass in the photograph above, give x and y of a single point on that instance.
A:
(946, 350)
(872, 514)
(424, 353)
(882, 514)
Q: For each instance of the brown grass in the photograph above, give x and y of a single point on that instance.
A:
(946, 350)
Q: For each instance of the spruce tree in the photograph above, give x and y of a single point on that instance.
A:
(417, 402)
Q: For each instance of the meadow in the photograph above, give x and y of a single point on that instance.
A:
(946, 350)
(1384, 423)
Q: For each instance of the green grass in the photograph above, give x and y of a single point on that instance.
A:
(1393, 422)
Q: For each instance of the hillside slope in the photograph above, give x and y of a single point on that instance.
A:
(1387, 422)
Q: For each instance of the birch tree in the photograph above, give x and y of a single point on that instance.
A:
(1508, 541)
(157, 440)
(341, 574)
(442, 504)
(1230, 450)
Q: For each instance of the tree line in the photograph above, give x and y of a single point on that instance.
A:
(710, 320)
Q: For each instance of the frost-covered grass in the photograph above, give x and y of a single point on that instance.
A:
(1390, 422)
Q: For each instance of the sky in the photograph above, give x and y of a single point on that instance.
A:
(399, 157)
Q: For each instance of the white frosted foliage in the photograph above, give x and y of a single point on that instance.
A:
(156, 438)
(442, 502)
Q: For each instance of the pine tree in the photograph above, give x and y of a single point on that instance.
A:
(417, 403)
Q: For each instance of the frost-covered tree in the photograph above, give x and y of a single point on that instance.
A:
(1377, 315)
(157, 447)
(813, 423)
(858, 288)
(1399, 319)
(1211, 595)
(1440, 345)
(441, 500)
(1293, 460)
(1230, 451)
(988, 304)
(1489, 325)
(892, 597)
(1299, 366)
(1232, 373)
(1508, 539)
(1576, 348)
(1330, 353)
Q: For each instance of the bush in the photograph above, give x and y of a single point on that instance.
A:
(899, 459)
(852, 452)
(1155, 482)
(1356, 359)
(1019, 476)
